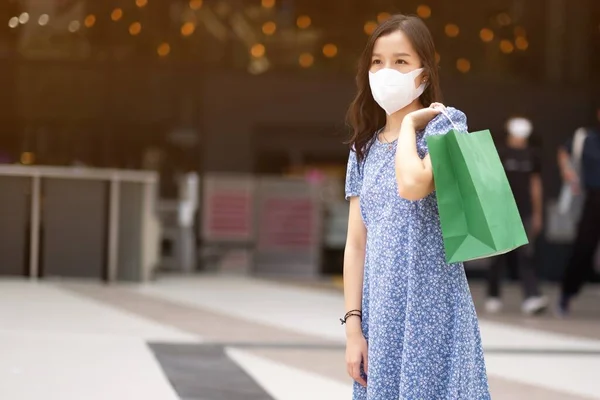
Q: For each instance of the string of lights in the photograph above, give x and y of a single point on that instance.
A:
(265, 31)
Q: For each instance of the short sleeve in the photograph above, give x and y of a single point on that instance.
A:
(353, 176)
(442, 124)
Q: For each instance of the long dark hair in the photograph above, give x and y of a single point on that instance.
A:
(365, 117)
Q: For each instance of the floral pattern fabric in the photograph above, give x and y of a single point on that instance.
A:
(418, 314)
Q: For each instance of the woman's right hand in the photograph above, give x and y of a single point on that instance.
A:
(356, 355)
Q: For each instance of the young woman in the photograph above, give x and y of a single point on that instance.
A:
(412, 330)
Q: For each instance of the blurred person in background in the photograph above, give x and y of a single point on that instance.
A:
(586, 181)
(523, 170)
(411, 325)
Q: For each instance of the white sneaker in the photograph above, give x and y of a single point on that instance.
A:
(493, 305)
(535, 305)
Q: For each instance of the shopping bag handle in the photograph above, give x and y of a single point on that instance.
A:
(450, 119)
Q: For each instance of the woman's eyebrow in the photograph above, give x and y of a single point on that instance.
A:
(395, 55)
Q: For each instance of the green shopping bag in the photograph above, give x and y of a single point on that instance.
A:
(478, 212)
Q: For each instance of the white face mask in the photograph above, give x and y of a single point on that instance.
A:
(519, 127)
(393, 90)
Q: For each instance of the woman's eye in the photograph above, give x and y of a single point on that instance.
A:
(376, 62)
(400, 62)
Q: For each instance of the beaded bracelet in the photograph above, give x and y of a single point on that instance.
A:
(351, 313)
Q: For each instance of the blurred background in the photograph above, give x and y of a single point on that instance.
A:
(259, 89)
(153, 141)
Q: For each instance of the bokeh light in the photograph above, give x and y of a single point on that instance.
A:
(306, 60)
(43, 19)
(188, 29)
(195, 4)
(135, 28)
(13, 22)
(89, 21)
(303, 21)
(487, 35)
(24, 18)
(117, 14)
(522, 43)
(269, 28)
(163, 49)
(463, 65)
(370, 27)
(452, 30)
(506, 46)
(330, 50)
(504, 19)
(424, 11)
(383, 16)
(258, 50)
(74, 26)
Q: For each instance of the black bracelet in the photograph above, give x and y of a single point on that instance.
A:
(352, 313)
(343, 320)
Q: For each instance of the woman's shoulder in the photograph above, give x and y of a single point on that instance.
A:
(366, 146)
(456, 113)
(451, 118)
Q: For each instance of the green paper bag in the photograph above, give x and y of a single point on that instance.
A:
(478, 212)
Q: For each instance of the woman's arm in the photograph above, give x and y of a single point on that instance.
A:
(567, 171)
(354, 265)
(414, 175)
(564, 160)
(565, 166)
(537, 202)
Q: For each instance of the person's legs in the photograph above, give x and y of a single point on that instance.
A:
(512, 267)
(527, 270)
(533, 301)
(495, 275)
(522, 260)
(528, 275)
(581, 262)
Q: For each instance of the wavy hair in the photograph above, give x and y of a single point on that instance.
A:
(364, 116)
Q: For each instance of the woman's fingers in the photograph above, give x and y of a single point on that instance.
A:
(356, 375)
(356, 360)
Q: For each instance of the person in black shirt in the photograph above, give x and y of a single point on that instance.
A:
(522, 165)
(588, 232)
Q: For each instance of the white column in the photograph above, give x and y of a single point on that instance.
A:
(34, 248)
(113, 228)
(150, 232)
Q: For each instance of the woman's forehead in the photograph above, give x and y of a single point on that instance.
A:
(394, 43)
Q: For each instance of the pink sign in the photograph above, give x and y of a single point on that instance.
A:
(228, 214)
(287, 223)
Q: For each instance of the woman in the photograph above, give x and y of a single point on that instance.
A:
(419, 337)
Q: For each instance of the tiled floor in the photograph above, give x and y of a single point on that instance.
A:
(234, 338)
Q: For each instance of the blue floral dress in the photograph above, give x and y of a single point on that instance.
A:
(418, 313)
